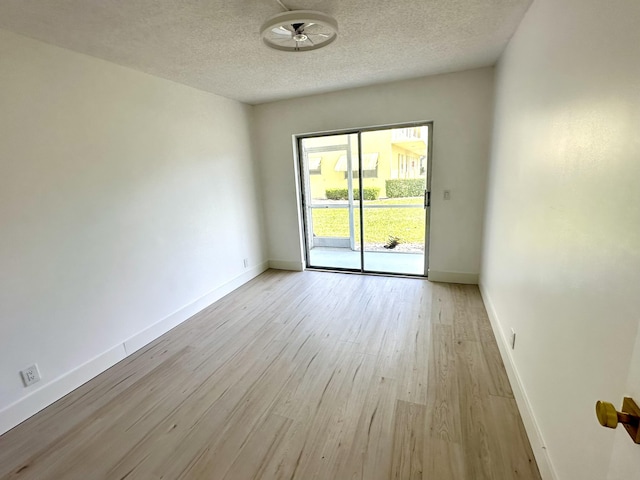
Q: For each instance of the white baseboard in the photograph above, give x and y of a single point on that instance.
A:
(148, 335)
(286, 265)
(57, 388)
(545, 465)
(453, 277)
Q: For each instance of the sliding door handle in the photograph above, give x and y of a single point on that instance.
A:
(427, 198)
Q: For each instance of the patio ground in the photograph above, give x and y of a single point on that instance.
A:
(388, 261)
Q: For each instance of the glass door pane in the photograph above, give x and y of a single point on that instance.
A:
(331, 189)
(394, 174)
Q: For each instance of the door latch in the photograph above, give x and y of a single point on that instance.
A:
(427, 198)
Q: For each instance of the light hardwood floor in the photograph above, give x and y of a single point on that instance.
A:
(295, 376)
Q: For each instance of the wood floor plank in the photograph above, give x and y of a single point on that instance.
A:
(332, 426)
(295, 375)
(442, 306)
(464, 321)
(252, 457)
(369, 454)
(499, 382)
(506, 423)
(443, 414)
(414, 345)
(444, 460)
(408, 441)
(473, 390)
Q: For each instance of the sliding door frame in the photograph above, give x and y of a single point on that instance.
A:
(305, 189)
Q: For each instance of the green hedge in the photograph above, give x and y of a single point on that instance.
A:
(370, 193)
(408, 187)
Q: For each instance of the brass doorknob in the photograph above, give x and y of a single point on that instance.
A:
(607, 414)
(609, 417)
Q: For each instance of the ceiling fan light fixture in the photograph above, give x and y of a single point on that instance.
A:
(299, 30)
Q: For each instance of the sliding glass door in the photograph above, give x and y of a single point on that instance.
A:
(365, 199)
(395, 223)
(332, 213)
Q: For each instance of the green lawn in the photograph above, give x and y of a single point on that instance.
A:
(379, 223)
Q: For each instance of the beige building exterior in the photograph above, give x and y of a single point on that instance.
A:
(399, 153)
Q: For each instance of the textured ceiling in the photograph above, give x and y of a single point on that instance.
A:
(215, 45)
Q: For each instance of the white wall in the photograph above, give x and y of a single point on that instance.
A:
(125, 200)
(459, 104)
(561, 261)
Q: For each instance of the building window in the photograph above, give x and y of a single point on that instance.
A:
(369, 165)
(409, 166)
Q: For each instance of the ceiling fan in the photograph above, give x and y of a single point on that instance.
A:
(299, 30)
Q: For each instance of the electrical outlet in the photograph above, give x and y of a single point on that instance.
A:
(513, 339)
(245, 262)
(30, 375)
(447, 195)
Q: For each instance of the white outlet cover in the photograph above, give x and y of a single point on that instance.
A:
(30, 375)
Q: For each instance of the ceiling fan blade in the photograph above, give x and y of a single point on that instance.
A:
(314, 27)
(317, 34)
(282, 40)
(281, 31)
